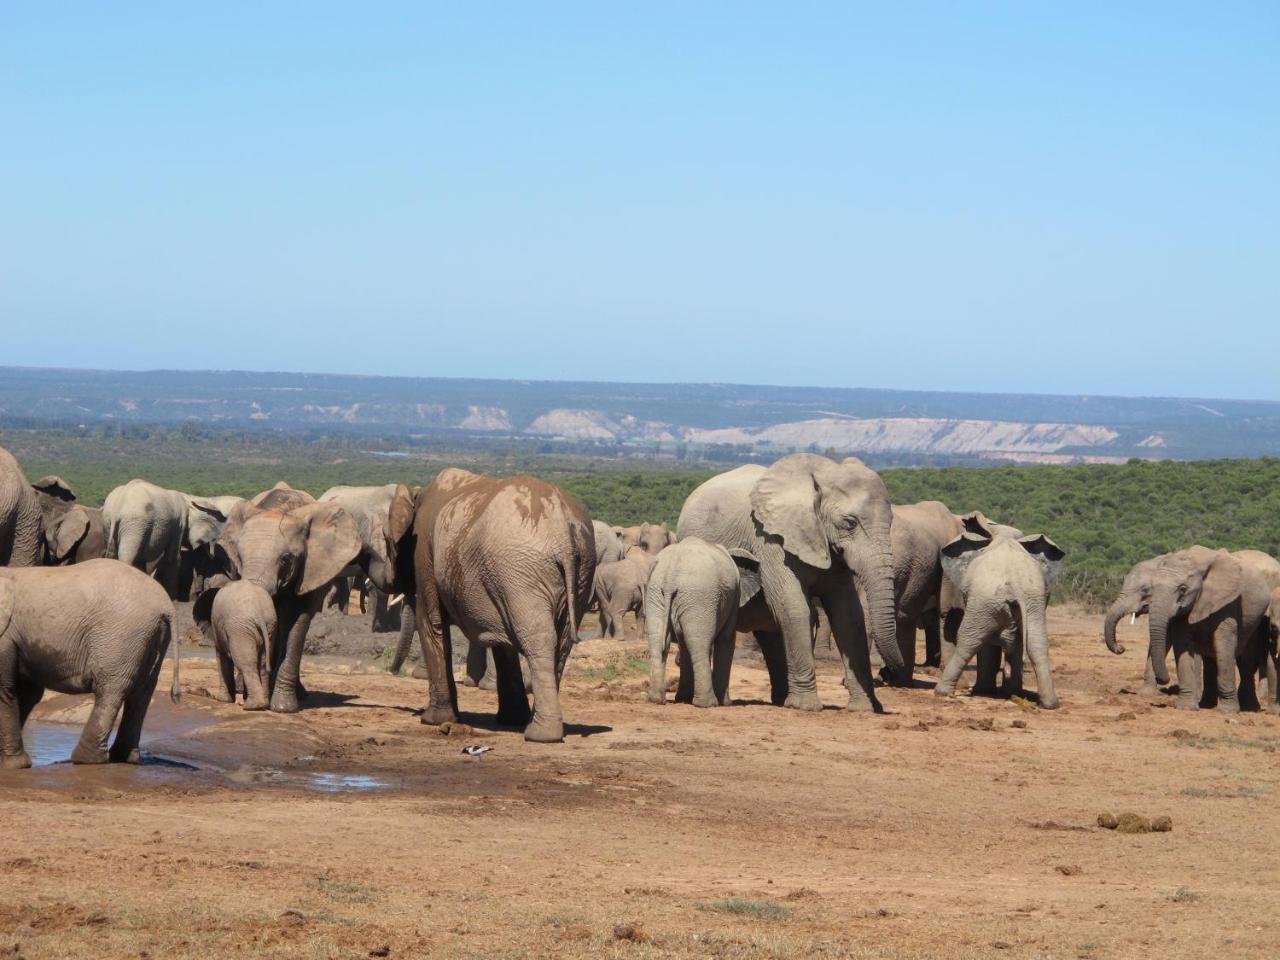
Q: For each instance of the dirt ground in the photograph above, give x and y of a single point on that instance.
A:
(960, 828)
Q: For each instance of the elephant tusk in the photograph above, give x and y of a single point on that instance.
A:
(398, 598)
(1133, 618)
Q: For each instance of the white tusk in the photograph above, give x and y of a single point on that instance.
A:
(1133, 618)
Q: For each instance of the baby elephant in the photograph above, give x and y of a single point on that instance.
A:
(692, 598)
(240, 619)
(1005, 584)
(619, 588)
(97, 627)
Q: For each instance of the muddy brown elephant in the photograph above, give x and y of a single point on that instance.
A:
(510, 561)
(97, 627)
(72, 533)
(1005, 583)
(286, 545)
(813, 528)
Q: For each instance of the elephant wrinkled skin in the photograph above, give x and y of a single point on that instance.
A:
(21, 538)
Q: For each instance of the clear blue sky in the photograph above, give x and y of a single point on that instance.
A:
(1075, 197)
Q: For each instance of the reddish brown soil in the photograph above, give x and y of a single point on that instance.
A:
(958, 828)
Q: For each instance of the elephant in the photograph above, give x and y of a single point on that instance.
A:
(288, 546)
(1273, 652)
(810, 528)
(1005, 585)
(692, 600)
(72, 533)
(20, 517)
(609, 546)
(97, 627)
(148, 527)
(619, 589)
(240, 619)
(650, 537)
(510, 561)
(1134, 600)
(1211, 606)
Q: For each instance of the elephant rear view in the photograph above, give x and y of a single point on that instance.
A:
(692, 600)
(1005, 584)
(510, 562)
(97, 627)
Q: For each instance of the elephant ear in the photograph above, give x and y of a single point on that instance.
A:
(748, 575)
(6, 603)
(205, 520)
(400, 514)
(976, 522)
(1221, 586)
(67, 533)
(958, 554)
(786, 502)
(333, 541)
(1047, 552)
(55, 486)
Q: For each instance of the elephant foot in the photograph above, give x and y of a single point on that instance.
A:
(1049, 703)
(487, 683)
(132, 755)
(862, 705)
(221, 695)
(1185, 704)
(806, 700)
(1273, 709)
(469, 681)
(655, 696)
(1228, 706)
(707, 700)
(984, 691)
(515, 718)
(434, 715)
(89, 755)
(284, 701)
(944, 690)
(1148, 690)
(15, 761)
(259, 704)
(544, 731)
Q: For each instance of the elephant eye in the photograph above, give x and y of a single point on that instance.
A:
(849, 522)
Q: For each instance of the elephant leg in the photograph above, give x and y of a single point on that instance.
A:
(285, 695)
(950, 624)
(775, 661)
(136, 702)
(1190, 671)
(169, 567)
(700, 652)
(542, 646)
(684, 661)
(437, 659)
(848, 628)
(225, 691)
(249, 656)
(906, 635)
(1013, 663)
(722, 662)
(1149, 687)
(791, 611)
(1225, 645)
(92, 747)
(1208, 686)
(1273, 694)
(513, 702)
(970, 639)
(988, 670)
(12, 690)
(659, 647)
(477, 664)
(932, 640)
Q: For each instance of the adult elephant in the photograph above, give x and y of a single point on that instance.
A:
(1211, 606)
(72, 533)
(289, 546)
(653, 538)
(148, 527)
(510, 561)
(20, 523)
(812, 528)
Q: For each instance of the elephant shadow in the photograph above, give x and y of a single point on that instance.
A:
(321, 699)
(489, 723)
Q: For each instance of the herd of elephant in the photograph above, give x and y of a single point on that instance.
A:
(514, 563)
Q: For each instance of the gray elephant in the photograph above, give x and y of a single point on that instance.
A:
(510, 561)
(619, 589)
(20, 521)
(240, 619)
(288, 546)
(72, 533)
(1211, 607)
(97, 627)
(809, 528)
(148, 527)
(1134, 600)
(651, 537)
(1005, 585)
(609, 546)
(692, 601)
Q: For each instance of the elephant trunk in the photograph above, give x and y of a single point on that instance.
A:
(1116, 611)
(1160, 617)
(874, 568)
(408, 621)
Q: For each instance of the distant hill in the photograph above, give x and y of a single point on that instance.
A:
(748, 420)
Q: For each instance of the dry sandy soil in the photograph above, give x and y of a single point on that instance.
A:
(960, 828)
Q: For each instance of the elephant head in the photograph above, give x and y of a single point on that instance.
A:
(1134, 600)
(819, 509)
(1190, 585)
(66, 524)
(287, 543)
(382, 516)
(206, 516)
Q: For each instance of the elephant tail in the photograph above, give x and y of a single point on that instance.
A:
(171, 640)
(570, 572)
